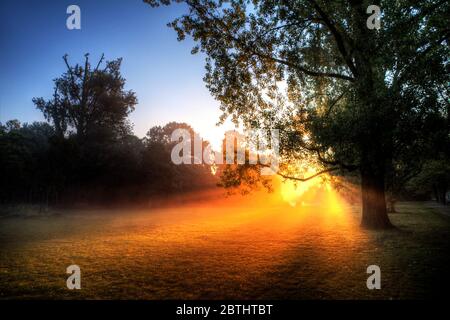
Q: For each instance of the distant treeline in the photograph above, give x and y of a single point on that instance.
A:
(37, 166)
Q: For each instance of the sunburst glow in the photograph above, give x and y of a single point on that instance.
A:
(297, 192)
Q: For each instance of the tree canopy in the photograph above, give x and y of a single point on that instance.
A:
(357, 98)
(87, 100)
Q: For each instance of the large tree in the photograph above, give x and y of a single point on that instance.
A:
(89, 100)
(338, 89)
(93, 153)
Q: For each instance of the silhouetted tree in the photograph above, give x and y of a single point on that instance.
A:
(162, 175)
(351, 90)
(89, 101)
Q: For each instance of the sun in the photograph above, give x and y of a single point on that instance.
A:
(293, 192)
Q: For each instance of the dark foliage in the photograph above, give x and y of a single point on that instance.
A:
(86, 154)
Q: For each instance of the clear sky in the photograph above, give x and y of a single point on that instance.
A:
(165, 76)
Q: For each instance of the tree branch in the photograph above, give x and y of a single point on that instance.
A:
(336, 101)
(99, 62)
(340, 42)
(303, 69)
(72, 78)
(310, 177)
(223, 30)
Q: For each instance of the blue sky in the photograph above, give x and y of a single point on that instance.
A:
(165, 76)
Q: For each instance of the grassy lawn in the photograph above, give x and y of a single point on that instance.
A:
(216, 250)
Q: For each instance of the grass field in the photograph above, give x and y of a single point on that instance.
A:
(233, 249)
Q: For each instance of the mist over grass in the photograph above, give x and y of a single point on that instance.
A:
(237, 248)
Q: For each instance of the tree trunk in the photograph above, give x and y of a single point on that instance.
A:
(374, 213)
